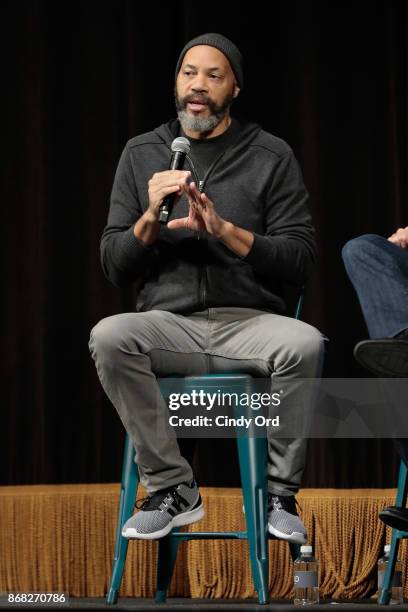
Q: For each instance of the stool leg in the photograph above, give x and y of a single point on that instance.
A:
(400, 501)
(166, 560)
(130, 480)
(252, 454)
(385, 595)
(294, 550)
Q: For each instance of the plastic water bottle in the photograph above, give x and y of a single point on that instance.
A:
(397, 596)
(306, 578)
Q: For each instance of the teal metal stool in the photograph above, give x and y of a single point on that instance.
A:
(253, 457)
(396, 535)
(252, 453)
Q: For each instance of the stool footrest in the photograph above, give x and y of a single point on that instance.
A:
(209, 535)
(220, 535)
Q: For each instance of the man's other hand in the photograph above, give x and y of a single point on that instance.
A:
(202, 216)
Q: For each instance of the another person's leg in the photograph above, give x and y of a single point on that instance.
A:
(378, 270)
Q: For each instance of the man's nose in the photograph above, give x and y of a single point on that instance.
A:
(199, 83)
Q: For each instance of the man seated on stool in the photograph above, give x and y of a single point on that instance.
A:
(378, 269)
(208, 283)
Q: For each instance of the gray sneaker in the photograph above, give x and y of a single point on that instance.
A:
(283, 520)
(160, 512)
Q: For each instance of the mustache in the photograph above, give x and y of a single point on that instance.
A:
(202, 98)
(218, 110)
(198, 98)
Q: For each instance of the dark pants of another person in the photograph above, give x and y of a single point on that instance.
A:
(378, 270)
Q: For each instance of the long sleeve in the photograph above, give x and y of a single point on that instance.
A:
(124, 258)
(287, 251)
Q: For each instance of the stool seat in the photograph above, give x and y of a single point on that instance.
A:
(253, 455)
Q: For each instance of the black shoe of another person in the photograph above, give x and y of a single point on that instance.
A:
(386, 357)
(395, 517)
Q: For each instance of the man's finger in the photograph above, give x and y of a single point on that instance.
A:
(165, 191)
(206, 201)
(178, 223)
(172, 174)
(194, 192)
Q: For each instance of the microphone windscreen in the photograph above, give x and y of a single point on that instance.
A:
(180, 145)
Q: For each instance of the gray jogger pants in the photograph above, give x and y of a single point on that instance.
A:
(131, 349)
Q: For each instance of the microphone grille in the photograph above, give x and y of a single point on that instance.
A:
(180, 145)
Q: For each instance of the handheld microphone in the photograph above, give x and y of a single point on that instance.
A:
(180, 147)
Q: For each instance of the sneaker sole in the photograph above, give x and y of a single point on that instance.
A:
(294, 538)
(387, 358)
(186, 518)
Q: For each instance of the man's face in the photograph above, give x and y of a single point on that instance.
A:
(205, 88)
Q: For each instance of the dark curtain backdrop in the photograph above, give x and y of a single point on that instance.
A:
(80, 79)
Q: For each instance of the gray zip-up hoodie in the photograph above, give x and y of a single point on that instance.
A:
(256, 184)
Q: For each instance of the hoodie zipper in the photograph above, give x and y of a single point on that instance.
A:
(204, 278)
(201, 185)
(203, 269)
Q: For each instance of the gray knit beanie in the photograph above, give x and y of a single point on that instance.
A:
(231, 52)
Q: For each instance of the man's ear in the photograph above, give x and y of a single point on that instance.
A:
(236, 91)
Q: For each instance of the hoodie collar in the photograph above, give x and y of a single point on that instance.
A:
(170, 130)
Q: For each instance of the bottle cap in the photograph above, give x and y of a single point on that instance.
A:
(387, 548)
(306, 549)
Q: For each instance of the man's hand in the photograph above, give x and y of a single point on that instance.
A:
(160, 185)
(202, 216)
(163, 184)
(400, 237)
